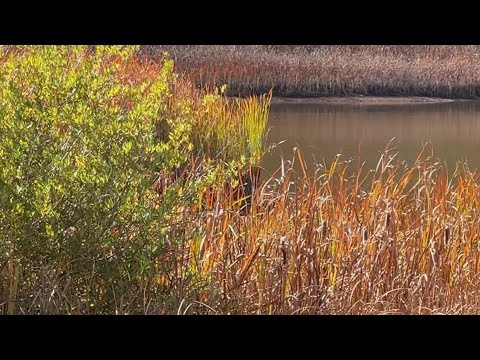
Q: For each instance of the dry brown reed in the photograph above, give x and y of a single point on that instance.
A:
(390, 241)
(303, 71)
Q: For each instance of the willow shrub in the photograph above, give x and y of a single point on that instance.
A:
(79, 224)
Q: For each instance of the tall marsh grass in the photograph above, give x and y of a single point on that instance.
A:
(314, 70)
(396, 240)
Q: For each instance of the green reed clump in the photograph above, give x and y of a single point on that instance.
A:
(255, 121)
(227, 129)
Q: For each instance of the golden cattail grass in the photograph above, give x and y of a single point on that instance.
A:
(330, 247)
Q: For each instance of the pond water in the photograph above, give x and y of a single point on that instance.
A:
(324, 130)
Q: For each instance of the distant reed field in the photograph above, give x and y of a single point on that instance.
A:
(313, 70)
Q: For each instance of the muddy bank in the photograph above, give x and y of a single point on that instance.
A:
(366, 100)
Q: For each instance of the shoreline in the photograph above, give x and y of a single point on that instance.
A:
(367, 100)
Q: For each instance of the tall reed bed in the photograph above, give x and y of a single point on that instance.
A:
(394, 240)
(311, 70)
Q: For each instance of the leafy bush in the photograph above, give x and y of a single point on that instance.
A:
(80, 225)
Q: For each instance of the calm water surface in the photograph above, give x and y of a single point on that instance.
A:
(324, 130)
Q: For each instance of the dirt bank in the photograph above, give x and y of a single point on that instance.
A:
(365, 100)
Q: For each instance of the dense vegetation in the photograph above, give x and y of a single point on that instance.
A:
(313, 70)
(119, 195)
(85, 134)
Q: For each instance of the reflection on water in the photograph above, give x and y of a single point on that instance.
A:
(324, 130)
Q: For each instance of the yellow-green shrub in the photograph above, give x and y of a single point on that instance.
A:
(78, 155)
